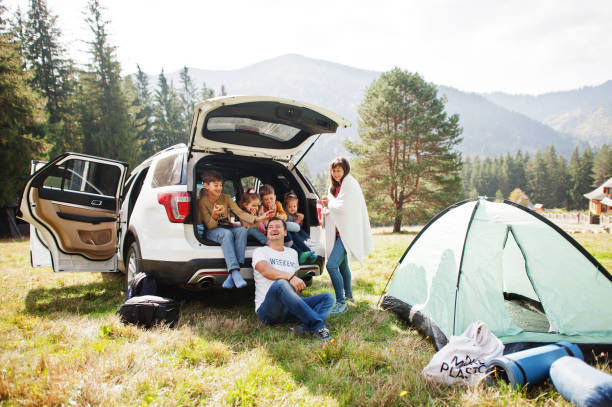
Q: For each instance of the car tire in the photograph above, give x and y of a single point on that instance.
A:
(133, 264)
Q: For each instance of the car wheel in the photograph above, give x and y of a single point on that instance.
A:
(133, 264)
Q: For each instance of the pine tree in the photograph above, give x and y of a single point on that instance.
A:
(466, 176)
(21, 114)
(188, 100)
(108, 129)
(580, 178)
(558, 179)
(406, 153)
(206, 92)
(538, 181)
(167, 113)
(54, 76)
(143, 104)
(602, 166)
(222, 92)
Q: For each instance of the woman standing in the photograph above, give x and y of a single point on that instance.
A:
(347, 230)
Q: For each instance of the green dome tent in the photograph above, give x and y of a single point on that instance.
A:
(507, 266)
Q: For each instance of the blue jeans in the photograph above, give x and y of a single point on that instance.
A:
(339, 272)
(233, 244)
(282, 304)
(258, 235)
(298, 242)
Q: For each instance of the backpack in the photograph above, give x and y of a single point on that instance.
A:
(150, 310)
(142, 284)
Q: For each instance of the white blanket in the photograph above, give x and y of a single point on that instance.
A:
(348, 213)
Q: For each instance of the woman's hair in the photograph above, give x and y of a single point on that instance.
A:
(290, 196)
(338, 162)
(247, 198)
(266, 189)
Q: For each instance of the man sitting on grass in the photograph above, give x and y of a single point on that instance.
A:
(277, 286)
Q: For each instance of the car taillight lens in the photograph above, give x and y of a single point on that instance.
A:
(320, 211)
(177, 205)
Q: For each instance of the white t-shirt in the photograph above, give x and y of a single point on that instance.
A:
(285, 261)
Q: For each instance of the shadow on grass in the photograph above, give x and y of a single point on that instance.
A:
(89, 299)
(213, 298)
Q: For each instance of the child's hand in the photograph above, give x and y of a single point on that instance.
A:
(261, 218)
(300, 218)
(325, 201)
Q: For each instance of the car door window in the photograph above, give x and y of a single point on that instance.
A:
(83, 176)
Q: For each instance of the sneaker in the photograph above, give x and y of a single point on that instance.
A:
(323, 335)
(305, 257)
(339, 308)
(350, 299)
(313, 258)
(298, 331)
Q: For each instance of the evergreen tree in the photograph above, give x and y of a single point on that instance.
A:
(558, 179)
(406, 153)
(167, 113)
(21, 114)
(538, 180)
(188, 100)
(507, 171)
(206, 93)
(518, 179)
(581, 179)
(466, 176)
(222, 92)
(602, 166)
(54, 76)
(143, 104)
(108, 129)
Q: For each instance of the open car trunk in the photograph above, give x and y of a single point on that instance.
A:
(241, 173)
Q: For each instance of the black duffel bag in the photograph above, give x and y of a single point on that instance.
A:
(141, 284)
(150, 310)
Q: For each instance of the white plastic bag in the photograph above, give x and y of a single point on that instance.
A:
(463, 358)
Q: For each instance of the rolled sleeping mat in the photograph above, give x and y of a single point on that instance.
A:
(529, 366)
(580, 383)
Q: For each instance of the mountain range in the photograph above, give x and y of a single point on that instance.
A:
(493, 123)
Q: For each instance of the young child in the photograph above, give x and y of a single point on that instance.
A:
(213, 212)
(275, 209)
(269, 204)
(249, 201)
(291, 208)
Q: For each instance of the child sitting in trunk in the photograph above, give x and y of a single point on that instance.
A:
(249, 201)
(291, 208)
(270, 205)
(213, 212)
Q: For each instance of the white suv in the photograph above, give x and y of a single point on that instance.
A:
(91, 219)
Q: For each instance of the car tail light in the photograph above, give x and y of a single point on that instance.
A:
(177, 205)
(320, 211)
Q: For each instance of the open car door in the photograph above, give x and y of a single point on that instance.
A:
(73, 203)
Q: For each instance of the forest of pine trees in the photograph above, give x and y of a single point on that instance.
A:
(546, 178)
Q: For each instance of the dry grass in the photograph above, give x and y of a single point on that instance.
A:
(61, 343)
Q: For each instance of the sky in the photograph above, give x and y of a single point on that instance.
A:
(513, 46)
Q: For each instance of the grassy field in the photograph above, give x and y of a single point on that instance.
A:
(61, 343)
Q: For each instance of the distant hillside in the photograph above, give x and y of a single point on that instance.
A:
(489, 127)
(584, 113)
